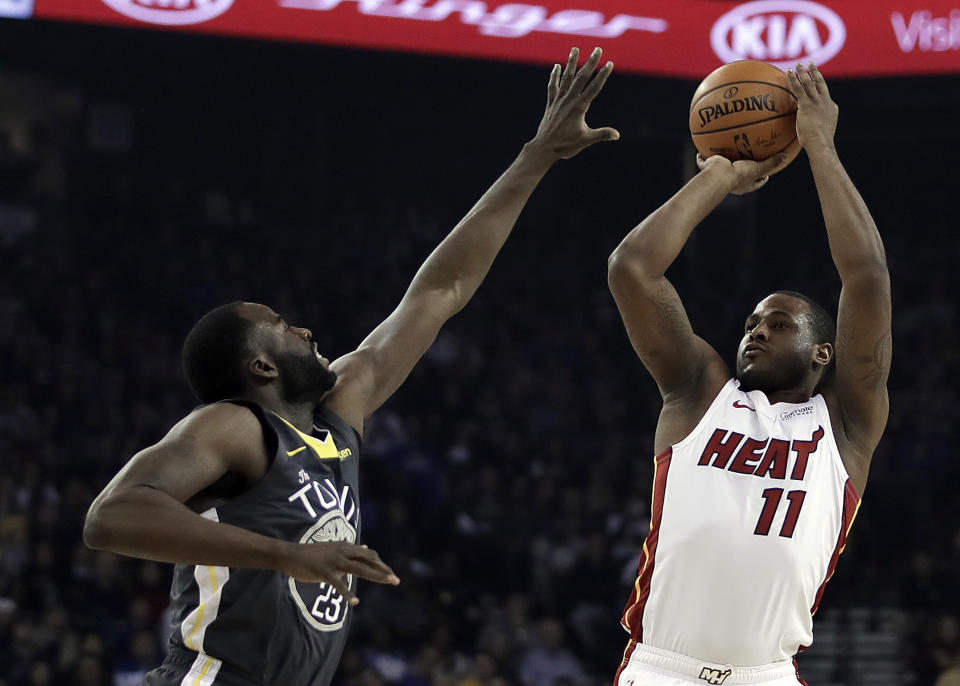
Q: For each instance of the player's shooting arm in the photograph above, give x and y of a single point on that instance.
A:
(142, 511)
(684, 366)
(863, 346)
(454, 270)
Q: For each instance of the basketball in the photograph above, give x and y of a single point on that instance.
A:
(745, 110)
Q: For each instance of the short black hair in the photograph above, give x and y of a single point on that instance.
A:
(213, 353)
(822, 325)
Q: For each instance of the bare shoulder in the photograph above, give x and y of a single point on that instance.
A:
(223, 432)
(856, 446)
(217, 422)
(685, 407)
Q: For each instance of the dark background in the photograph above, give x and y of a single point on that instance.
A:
(146, 177)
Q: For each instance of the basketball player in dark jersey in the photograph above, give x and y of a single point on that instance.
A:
(254, 495)
(741, 616)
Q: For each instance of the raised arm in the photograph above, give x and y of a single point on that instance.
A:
(687, 370)
(454, 270)
(142, 512)
(863, 346)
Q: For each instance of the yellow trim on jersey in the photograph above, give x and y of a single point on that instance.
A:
(646, 551)
(850, 526)
(188, 641)
(291, 453)
(324, 450)
(203, 672)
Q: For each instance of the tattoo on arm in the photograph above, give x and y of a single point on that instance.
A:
(670, 308)
(876, 367)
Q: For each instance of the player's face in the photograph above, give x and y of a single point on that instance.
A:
(775, 352)
(305, 374)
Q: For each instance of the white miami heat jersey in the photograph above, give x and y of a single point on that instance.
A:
(749, 515)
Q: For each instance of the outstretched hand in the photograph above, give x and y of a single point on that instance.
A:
(817, 113)
(563, 131)
(330, 561)
(745, 176)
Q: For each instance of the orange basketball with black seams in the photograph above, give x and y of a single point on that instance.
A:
(745, 111)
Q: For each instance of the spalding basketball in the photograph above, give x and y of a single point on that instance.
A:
(745, 111)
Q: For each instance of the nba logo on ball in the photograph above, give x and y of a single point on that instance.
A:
(781, 32)
(170, 12)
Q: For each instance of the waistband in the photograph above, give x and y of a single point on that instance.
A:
(677, 665)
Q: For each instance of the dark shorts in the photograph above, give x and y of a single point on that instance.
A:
(181, 664)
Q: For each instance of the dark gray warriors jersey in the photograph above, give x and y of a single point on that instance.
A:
(243, 626)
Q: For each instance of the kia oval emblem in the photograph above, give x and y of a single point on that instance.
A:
(781, 32)
(170, 12)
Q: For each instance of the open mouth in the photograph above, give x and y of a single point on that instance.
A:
(320, 358)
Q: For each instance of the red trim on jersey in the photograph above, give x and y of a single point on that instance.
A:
(851, 502)
(796, 667)
(627, 652)
(632, 618)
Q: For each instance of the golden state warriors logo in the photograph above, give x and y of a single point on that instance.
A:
(320, 604)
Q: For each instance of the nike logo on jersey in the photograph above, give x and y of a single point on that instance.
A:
(291, 453)
(759, 457)
(742, 406)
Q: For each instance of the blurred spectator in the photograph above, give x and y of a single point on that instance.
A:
(508, 482)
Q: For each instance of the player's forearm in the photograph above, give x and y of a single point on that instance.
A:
(855, 243)
(147, 523)
(653, 245)
(459, 264)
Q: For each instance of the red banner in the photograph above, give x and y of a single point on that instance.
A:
(687, 38)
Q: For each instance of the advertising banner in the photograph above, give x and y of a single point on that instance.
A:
(685, 38)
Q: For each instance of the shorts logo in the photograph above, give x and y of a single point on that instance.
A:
(170, 12)
(781, 32)
(714, 676)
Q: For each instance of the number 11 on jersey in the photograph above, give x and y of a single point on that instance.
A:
(772, 498)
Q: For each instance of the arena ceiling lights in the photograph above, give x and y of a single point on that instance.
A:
(685, 38)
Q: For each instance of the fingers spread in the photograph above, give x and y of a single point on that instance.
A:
(553, 85)
(366, 569)
(366, 563)
(602, 135)
(818, 81)
(371, 558)
(594, 87)
(570, 70)
(805, 80)
(795, 84)
(341, 588)
(586, 71)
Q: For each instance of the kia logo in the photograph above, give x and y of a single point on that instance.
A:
(170, 12)
(781, 32)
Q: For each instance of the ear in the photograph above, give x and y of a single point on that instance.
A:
(822, 354)
(262, 368)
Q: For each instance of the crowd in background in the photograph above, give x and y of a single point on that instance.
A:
(507, 482)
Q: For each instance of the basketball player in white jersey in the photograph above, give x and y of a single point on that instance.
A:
(757, 477)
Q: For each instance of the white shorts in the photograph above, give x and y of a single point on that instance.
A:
(645, 665)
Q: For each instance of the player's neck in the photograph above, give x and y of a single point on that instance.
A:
(300, 414)
(793, 395)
